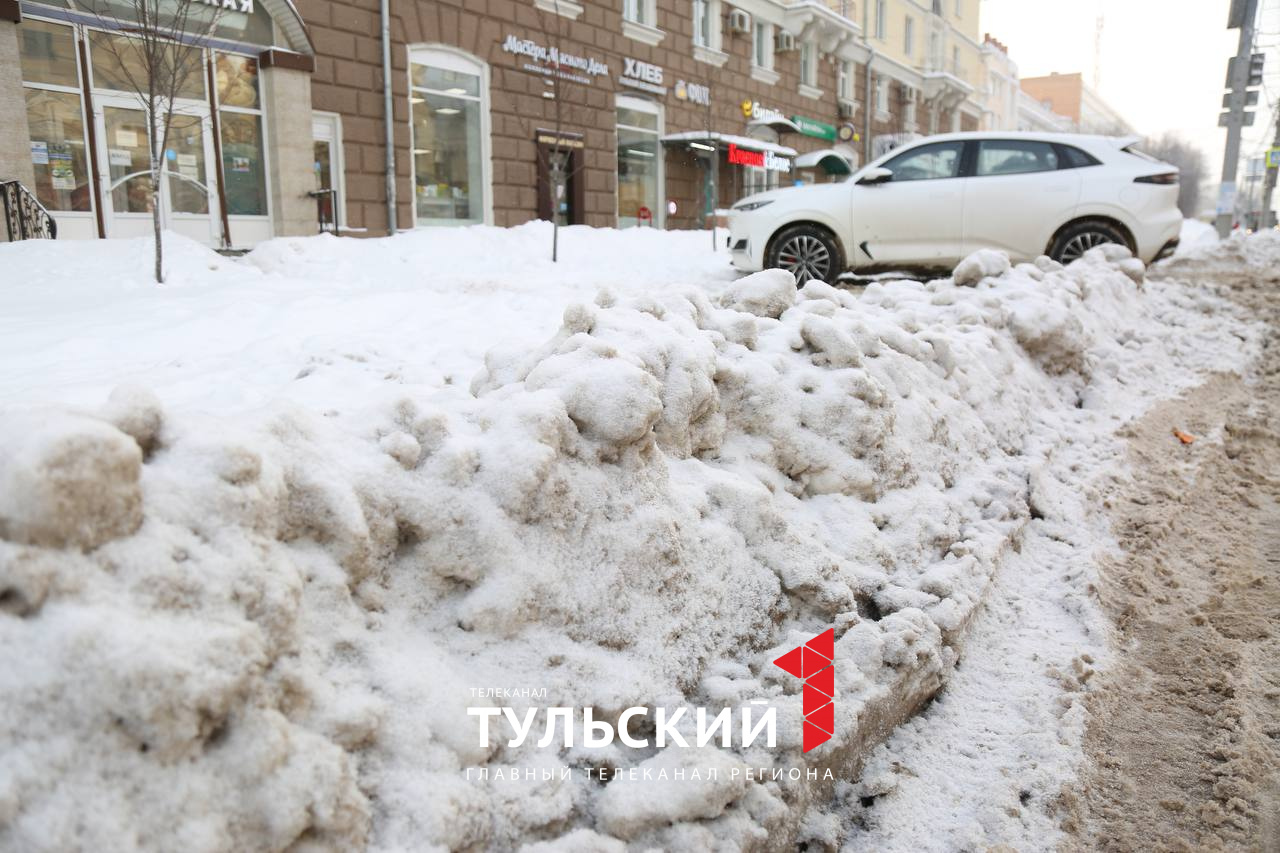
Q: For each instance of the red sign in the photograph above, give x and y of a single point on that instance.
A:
(745, 158)
(644, 213)
(813, 663)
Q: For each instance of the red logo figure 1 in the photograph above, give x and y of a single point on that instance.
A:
(812, 662)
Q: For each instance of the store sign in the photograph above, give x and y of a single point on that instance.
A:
(561, 140)
(759, 159)
(693, 93)
(1273, 158)
(848, 133)
(813, 127)
(553, 56)
(756, 111)
(644, 76)
(245, 6)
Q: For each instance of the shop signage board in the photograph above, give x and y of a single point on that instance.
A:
(813, 127)
(759, 159)
(644, 76)
(552, 58)
(694, 93)
(245, 6)
(1273, 158)
(848, 133)
(757, 111)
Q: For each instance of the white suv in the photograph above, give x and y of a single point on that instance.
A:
(931, 203)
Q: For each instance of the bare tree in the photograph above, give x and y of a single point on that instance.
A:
(1176, 151)
(559, 95)
(156, 47)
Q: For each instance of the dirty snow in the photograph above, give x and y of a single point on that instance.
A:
(345, 482)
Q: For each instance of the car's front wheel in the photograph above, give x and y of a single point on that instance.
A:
(808, 252)
(1080, 237)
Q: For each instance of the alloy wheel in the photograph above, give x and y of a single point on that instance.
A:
(805, 257)
(1083, 242)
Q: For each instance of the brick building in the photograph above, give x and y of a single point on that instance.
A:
(660, 112)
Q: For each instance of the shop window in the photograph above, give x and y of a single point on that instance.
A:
(449, 106)
(244, 169)
(117, 64)
(639, 163)
(762, 45)
(55, 116)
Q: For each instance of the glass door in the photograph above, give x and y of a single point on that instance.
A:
(187, 198)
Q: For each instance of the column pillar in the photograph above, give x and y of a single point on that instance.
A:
(15, 137)
(286, 103)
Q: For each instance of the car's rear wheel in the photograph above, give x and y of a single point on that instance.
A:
(808, 252)
(1079, 237)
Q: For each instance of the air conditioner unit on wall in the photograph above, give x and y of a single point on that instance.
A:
(739, 22)
(786, 42)
(848, 109)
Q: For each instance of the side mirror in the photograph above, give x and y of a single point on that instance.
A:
(878, 175)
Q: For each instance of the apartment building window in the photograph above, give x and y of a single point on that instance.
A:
(448, 100)
(909, 36)
(880, 19)
(638, 11)
(808, 64)
(882, 95)
(762, 47)
(909, 108)
(955, 61)
(959, 7)
(844, 80)
(702, 23)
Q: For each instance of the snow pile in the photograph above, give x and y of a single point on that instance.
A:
(263, 629)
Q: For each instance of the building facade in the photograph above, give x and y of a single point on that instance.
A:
(648, 113)
(1069, 96)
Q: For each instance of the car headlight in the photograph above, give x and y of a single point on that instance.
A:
(752, 205)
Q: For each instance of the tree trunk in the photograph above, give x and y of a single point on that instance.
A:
(155, 219)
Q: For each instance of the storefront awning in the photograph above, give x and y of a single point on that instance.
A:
(728, 138)
(781, 124)
(830, 160)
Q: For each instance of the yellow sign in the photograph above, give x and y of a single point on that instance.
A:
(1273, 158)
(747, 106)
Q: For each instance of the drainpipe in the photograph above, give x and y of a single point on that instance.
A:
(389, 116)
(866, 102)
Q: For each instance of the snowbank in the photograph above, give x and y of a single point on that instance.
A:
(276, 641)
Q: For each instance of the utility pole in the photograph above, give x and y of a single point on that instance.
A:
(1243, 15)
(1269, 183)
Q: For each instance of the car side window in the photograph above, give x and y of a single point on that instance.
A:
(927, 163)
(1014, 157)
(1070, 157)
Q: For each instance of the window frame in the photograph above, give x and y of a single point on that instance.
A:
(86, 118)
(654, 108)
(215, 103)
(808, 64)
(977, 156)
(844, 80)
(454, 59)
(762, 37)
(881, 23)
(909, 36)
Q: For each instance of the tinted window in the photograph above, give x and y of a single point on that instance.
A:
(1014, 157)
(928, 162)
(1070, 157)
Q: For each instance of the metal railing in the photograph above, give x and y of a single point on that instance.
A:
(326, 206)
(25, 217)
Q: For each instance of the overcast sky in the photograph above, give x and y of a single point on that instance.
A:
(1162, 63)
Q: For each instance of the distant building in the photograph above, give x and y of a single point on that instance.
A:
(999, 95)
(1067, 95)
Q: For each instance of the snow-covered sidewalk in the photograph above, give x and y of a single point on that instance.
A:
(248, 599)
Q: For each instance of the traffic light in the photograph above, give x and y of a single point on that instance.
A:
(1255, 69)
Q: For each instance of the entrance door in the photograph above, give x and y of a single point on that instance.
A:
(188, 201)
(326, 135)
